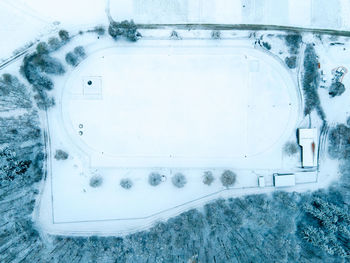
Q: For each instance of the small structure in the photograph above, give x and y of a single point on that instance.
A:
(92, 87)
(261, 181)
(308, 142)
(283, 180)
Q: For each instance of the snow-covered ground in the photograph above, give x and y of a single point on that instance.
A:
(141, 99)
(24, 21)
(70, 206)
(175, 104)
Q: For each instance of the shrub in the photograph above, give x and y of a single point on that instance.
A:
(336, 89)
(96, 181)
(266, 45)
(100, 30)
(208, 177)
(64, 35)
(61, 155)
(72, 59)
(311, 78)
(54, 43)
(228, 178)
(154, 179)
(339, 138)
(215, 34)
(290, 148)
(293, 41)
(179, 180)
(79, 51)
(125, 28)
(291, 61)
(126, 183)
(43, 101)
(49, 64)
(174, 35)
(42, 48)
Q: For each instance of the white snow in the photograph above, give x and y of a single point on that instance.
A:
(182, 105)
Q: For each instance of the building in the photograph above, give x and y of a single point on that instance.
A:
(283, 180)
(308, 141)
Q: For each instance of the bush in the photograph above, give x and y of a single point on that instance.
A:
(54, 43)
(64, 35)
(174, 35)
(154, 179)
(208, 178)
(293, 41)
(266, 45)
(291, 61)
(72, 59)
(291, 148)
(179, 180)
(49, 64)
(43, 101)
(42, 48)
(125, 28)
(336, 89)
(338, 142)
(311, 78)
(215, 34)
(61, 155)
(96, 181)
(126, 183)
(100, 30)
(228, 178)
(79, 51)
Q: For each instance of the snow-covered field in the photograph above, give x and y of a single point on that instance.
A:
(152, 106)
(163, 106)
(248, 92)
(28, 20)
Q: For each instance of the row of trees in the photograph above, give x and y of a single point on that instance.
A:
(227, 178)
(37, 67)
(310, 82)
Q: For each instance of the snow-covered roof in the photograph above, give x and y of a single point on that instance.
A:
(283, 180)
(308, 142)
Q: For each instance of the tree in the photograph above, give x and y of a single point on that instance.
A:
(61, 155)
(336, 89)
(100, 30)
(125, 28)
(266, 45)
(208, 177)
(79, 51)
(179, 180)
(293, 42)
(215, 34)
(228, 178)
(126, 183)
(42, 48)
(291, 148)
(96, 181)
(64, 35)
(72, 59)
(291, 61)
(54, 43)
(154, 179)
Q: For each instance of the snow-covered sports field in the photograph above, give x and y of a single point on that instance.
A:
(178, 106)
(186, 106)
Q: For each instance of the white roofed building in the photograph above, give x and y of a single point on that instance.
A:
(308, 142)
